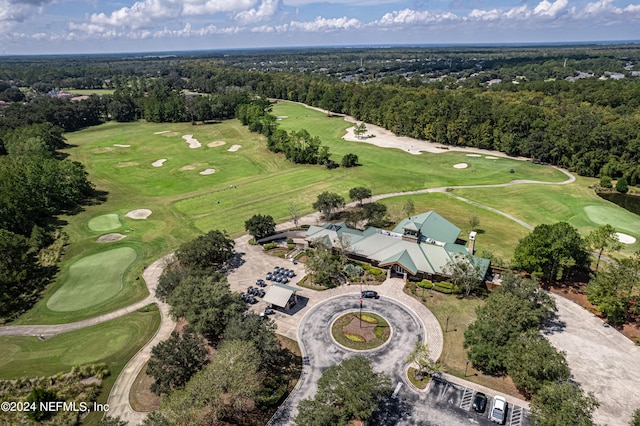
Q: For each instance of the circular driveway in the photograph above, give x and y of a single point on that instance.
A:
(320, 351)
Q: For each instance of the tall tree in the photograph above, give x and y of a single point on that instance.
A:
(421, 356)
(251, 327)
(359, 193)
(601, 239)
(551, 250)
(224, 392)
(327, 203)
(260, 226)
(464, 273)
(174, 361)
(293, 213)
(532, 362)
(563, 403)
(206, 303)
(352, 390)
(409, 208)
(209, 250)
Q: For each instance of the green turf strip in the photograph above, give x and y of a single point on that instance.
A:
(93, 280)
(112, 342)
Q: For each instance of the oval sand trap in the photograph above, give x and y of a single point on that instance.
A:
(215, 144)
(460, 166)
(109, 238)
(234, 148)
(159, 163)
(139, 214)
(92, 280)
(474, 155)
(119, 145)
(625, 239)
(208, 172)
(105, 222)
(491, 158)
(162, 133)
(193, 143)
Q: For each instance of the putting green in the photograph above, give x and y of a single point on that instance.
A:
(93, 280)
(105, 222)
(620, 219)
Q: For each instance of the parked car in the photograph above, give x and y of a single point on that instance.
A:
(291, 274)
(479, 402)
(269, 275)
(370, 294)
(269, 311)
(499, 410)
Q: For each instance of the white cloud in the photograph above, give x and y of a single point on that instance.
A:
(140, 14)
(267, 9)
(11, 11)
(205, 7)
(324, 24)
(413, 17)
(550, 10)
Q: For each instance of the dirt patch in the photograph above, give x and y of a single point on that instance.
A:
(102, 150)
(215, 144)
(234, 148)
(139, 214)
(189, 167)
(207, 172)
(140, 396)
(110, 238)
(360, 328)
(127, 164)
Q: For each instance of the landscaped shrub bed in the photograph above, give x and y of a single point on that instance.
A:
(368, 332)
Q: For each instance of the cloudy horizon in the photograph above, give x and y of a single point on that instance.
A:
(93, 26)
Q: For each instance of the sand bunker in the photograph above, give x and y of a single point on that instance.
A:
(474, 155)
(208, 172)
(159, 163)
(491, 158)
(109, 238)
(139, 214)
(193, 143)
(119, 145)
(625, 239)
(460, 166)
(189, 167)
(215, 144)
(280, 117)
(234, 148)
(163, 132)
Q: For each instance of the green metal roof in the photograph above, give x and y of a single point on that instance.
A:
(402, 258)
(431, 225)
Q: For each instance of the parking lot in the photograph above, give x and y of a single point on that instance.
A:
(455, 402)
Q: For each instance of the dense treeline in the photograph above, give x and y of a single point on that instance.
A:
(299, 147)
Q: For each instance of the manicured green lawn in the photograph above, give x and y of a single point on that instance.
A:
(575, 203)
(92, 280)
(105, 222)
(113, 342)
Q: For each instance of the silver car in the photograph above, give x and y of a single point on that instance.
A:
(498, 410)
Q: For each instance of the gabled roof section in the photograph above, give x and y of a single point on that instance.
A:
(432, 225)
(279, 294)
(411, 226)
(403, 259)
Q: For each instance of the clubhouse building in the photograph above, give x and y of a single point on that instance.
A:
(420, 247)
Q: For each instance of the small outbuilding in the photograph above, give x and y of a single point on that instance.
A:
(282, 296)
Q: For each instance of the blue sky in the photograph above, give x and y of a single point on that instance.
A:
(96, 26)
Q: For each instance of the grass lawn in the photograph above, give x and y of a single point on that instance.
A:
(105, 222)
(113, 342)
(461, 312)
(575, 203)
